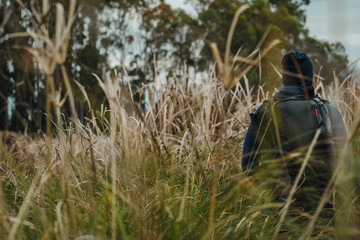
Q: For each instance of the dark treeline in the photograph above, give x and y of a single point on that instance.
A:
(127, 34)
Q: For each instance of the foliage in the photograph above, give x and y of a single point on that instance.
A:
(284, 20)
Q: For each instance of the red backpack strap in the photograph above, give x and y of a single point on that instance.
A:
(322, 117)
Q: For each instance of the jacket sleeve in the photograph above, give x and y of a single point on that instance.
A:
(250, 152)
(250, 144)
(339, 133)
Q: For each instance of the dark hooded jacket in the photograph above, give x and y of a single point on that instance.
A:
(282, 129)
(252, 148)
(259, 154)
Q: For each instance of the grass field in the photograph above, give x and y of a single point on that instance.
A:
(170, 172)
(173, 173)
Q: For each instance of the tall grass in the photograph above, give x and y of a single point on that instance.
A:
(171, 172)
(174, 173)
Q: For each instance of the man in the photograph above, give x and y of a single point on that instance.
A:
(282, 129)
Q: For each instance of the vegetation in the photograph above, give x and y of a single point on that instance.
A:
(172, 174)
(133, 35)
(169, 170)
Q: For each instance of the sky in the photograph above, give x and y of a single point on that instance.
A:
(331, 20)
(336, 20)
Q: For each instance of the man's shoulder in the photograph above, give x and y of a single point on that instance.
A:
(260, 112)
(330, 106)
(263, 106)
(334, 113)
(327, 102)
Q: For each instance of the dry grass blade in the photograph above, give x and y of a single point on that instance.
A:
(232, 30)
(111, 89)
(45, 6)
(354, 128)
(93, 119)
(3, 212)
(238, 76)
(69, 92)
(276, 70)
(5, 20)
(60, 221)
(217, 58)
(296, 183)
(227, 70)
(334, 179)
(24, 208)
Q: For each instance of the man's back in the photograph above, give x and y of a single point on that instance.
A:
(282, 129)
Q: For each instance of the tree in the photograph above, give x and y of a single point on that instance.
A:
(170, 34)
(282, 19)
(17, 73)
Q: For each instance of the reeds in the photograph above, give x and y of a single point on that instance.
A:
(116, 183)
(172, 172)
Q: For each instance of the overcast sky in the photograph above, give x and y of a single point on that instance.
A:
(332, 20)
(336, 20)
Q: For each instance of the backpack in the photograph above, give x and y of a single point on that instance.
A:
(286, 127)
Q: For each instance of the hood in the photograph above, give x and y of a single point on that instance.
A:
(289, 91)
